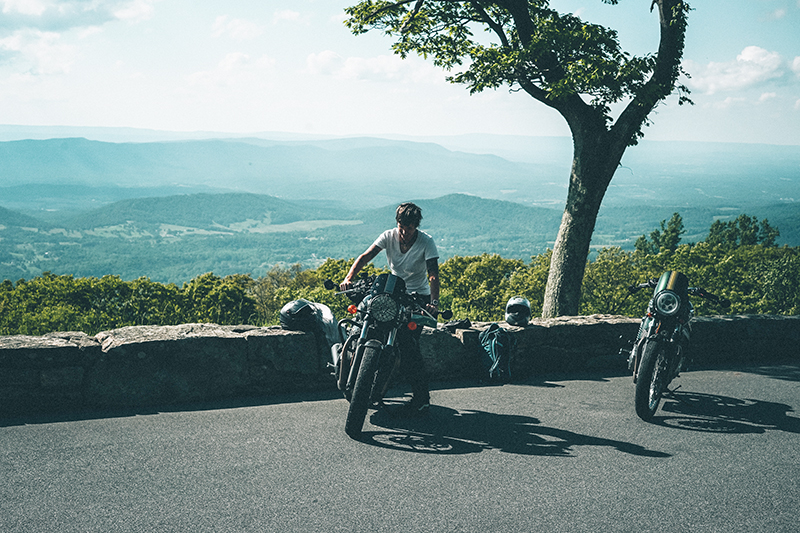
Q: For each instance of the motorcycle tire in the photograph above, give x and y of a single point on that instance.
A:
(651, 380)
(362, 390)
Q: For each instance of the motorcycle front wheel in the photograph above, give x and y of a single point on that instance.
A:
(362, 390)
(651, 380)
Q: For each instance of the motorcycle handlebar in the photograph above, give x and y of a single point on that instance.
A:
(634, 288)
(446, 314)
(723, 302)
(697, 291)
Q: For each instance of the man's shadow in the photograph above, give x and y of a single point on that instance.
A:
(448, 431)
(696, 411)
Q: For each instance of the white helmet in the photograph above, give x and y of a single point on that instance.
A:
(518, 311)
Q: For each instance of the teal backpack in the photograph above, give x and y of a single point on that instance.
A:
(497, 345)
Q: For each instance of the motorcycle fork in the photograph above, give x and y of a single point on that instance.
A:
(356, 363)
(639, 346)
(345, 363)
(388, 363)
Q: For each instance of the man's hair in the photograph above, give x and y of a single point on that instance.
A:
(408, 214)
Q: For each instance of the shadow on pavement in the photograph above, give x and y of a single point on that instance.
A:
(721, 414)
(788, 372)
(209, 405)
(448, 431)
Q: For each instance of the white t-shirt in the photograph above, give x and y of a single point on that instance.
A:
(412, 265)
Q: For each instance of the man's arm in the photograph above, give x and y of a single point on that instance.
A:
(360, 262)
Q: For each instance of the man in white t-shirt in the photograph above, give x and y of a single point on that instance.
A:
(411, 255)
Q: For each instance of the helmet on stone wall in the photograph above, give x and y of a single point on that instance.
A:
(518, 311)
(299, 315)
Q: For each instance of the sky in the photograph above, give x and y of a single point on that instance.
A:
(246, 66)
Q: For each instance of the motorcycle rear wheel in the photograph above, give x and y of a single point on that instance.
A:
(651, 380)
(362, 390)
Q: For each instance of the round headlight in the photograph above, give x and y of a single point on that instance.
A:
(668, 303)
(383, 308)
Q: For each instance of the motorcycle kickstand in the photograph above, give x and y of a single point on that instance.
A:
(671, 392)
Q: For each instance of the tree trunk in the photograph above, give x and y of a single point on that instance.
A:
(595, 159)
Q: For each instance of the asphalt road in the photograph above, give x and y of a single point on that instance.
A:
(558, 454)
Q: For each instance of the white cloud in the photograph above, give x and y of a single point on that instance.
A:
(24, 7)
(285, 14)
(42, 52)
(796, 65)
(767, 96)
(729, 102)
(778, 14)
(327, 63)
(753, 66)
(380, 68)
(135, 10)
(62, 15)
(235, 69)
(237, 29)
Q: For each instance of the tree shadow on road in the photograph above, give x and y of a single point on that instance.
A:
(449, 431)
(721, 414)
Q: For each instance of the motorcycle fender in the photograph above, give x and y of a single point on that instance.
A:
(654, 339)
(374, 343)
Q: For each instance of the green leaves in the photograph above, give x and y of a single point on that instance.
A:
(558, 53)
(63, 303)
(743, 231)
(667, 238)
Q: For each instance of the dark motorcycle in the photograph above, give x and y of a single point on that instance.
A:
(366, 357)
(659, 352)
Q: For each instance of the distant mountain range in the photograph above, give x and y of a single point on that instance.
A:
(358, 172)
(171, 208)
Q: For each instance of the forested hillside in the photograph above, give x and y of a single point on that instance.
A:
(758, 277)
(175, 238)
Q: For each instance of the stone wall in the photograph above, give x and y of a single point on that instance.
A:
(141, 366)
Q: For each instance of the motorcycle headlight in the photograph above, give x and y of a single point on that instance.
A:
(383, 308)
(668, 303)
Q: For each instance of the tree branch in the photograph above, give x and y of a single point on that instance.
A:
(407, 24)
(660, 85)
(391, 7)
(497, 28)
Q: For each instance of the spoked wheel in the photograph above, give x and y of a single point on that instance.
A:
(360, 399)
(651, 380)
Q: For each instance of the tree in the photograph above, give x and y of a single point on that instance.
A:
(667, 238)
(743, 231)
(576, 68)
(477, 287)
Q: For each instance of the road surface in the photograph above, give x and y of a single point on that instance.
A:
(562, 454)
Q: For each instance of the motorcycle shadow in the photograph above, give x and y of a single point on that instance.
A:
(696, 411)
(449, 431)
